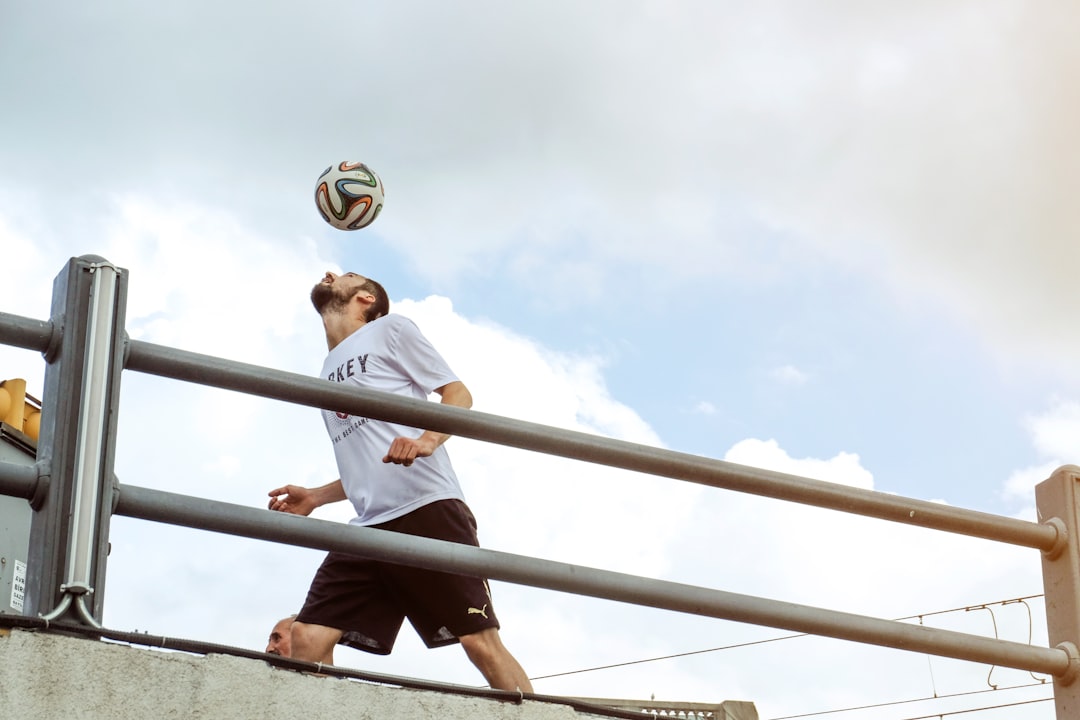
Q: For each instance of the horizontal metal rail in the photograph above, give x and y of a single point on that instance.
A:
(243, 521)
(300, 389)
(25, 332)
(18, 480)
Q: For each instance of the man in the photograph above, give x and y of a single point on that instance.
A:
(399, 479)
(279, 642)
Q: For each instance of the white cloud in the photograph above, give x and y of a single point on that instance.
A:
(533, 503)
(925, 147)
(198, 277)
(1020, 485)
(705, 407)
(496, 359)
(26, 290)
(1055, 436)
(1056, 432)
(921, 143)
(844, 468)
(779, 550)
(789, 375)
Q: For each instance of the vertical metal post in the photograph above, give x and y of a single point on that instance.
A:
(69, 531)
(1058, 502)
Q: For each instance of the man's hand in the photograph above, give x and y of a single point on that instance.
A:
(293, 499)
(404, 450)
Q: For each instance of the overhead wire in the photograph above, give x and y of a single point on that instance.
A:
(993, 620)
(667, 657)
(1023, 601)
(930, 667)
(949, 713)
(1040, 681)
(920, 617)
(894, 703)
(763, 641)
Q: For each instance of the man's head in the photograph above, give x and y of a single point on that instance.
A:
(280, 641)
(334, 293)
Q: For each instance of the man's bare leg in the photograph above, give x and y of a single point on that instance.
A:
(487, 652)
(314, 643)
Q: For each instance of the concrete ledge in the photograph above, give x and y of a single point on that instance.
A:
(47, 675)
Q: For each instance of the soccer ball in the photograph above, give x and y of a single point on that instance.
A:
(349, 195)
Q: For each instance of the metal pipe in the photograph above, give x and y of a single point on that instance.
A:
(18, 480)
(315, 392)
(25, 332)
(187, 511)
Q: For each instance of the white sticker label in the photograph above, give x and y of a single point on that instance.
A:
(18, 586)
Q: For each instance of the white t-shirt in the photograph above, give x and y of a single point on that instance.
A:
(390, 355)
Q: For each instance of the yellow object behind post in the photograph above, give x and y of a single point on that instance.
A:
(16, 409)
(16, 391)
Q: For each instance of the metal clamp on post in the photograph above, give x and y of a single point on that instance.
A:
(76, 595)
(41, 485)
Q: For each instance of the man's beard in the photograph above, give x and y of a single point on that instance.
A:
(326, 298)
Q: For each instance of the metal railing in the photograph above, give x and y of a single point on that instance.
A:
(73, 491)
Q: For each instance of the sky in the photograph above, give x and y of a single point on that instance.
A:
(834, 238)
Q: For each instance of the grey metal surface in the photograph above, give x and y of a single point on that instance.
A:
(25, 332)
(76, 446)
(1058, 499)
(17, 480)
(18, 454)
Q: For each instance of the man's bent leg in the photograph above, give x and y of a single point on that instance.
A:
(487, 652)
(314, 643)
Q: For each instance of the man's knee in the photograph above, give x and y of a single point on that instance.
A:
(484, 646)
(313, 642)
(304, 633)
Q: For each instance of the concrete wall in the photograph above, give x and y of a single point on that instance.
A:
(46, 676)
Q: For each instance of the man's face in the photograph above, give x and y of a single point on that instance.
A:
(335, 291)
(280, 641)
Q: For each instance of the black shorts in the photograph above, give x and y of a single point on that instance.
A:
(368, 599)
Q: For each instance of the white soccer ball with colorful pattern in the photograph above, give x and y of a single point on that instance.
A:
(349, 195)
